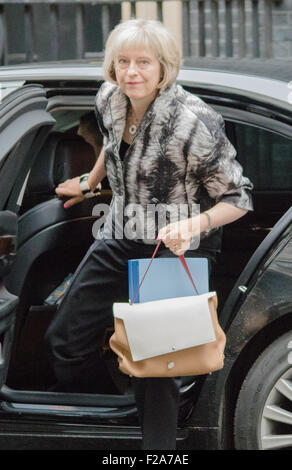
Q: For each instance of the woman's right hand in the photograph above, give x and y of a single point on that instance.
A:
(70, 188)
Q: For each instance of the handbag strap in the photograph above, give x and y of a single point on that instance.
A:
(183, 261)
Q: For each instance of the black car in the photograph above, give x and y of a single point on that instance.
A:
(247, 404)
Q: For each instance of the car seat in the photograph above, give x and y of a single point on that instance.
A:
(44, 225)
(62, 157)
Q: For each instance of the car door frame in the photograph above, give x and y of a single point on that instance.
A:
(24, 125)
(8, 301)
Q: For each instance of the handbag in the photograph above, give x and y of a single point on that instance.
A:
(169, 337)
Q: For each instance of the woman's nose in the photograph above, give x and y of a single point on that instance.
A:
(132, 68)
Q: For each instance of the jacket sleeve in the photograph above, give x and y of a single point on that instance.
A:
(220, 172)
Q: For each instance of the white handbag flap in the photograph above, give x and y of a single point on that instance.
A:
(163, 326)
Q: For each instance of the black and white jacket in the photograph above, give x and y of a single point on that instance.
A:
(180, 154)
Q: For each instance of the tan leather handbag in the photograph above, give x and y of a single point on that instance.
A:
(170, 337)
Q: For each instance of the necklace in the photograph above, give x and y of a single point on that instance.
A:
(132, 127)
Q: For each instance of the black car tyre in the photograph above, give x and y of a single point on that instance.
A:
(263, 415)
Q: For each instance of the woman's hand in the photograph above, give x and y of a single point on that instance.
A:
(177, 236)
(70, 188)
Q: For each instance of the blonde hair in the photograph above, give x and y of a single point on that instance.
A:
(144, 33)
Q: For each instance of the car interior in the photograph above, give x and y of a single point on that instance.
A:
(52, 241)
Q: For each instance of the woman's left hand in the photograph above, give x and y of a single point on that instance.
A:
(177, 236)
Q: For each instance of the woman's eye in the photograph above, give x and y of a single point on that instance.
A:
(122, 61)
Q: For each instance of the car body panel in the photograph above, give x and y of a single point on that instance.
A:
(259, 306)
(244, 283)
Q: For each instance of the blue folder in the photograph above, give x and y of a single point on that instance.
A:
(167, 278)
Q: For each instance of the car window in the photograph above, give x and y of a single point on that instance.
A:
(265, 156)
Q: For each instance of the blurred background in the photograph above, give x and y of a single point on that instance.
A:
(49, 30)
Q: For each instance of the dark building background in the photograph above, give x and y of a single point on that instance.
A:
(42, 30)
(51, 39)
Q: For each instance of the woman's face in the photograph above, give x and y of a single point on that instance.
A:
(138, 73)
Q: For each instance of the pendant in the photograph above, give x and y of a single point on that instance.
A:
(132, 129)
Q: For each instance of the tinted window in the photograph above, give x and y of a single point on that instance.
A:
(265, 156)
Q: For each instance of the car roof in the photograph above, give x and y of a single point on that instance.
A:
(267, 79)
(277, 69)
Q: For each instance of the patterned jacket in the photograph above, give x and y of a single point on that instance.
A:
(180, 153)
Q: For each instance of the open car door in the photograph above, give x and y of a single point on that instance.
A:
(8, 302)
(24, 124)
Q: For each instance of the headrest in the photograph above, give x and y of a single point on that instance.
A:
(63, 156)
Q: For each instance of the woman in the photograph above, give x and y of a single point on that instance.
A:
(162, 147)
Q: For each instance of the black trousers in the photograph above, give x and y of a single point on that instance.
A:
(78, 329)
